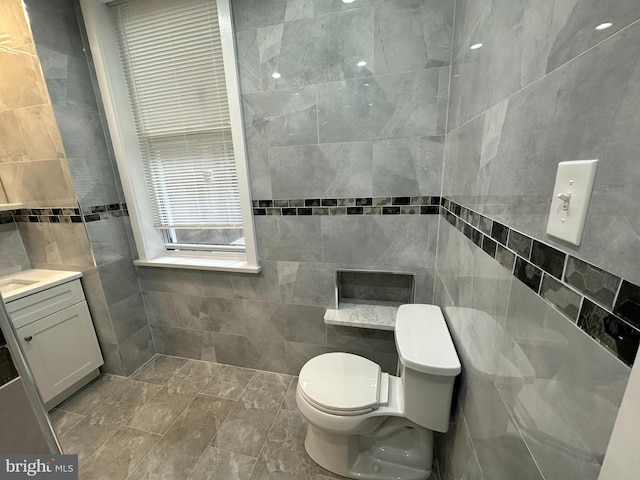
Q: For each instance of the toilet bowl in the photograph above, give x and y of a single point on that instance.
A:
(367, 424)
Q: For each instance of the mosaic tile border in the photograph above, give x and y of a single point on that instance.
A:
(424, 205)
(64, 214)
(602, 304)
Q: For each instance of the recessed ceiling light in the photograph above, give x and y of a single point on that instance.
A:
(361, 63)
(348, 1)
(604, 26)
(276, 75)
(475, 46)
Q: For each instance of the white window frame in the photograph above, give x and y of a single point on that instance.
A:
(101, 33)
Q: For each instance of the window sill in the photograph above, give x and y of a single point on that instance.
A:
(200, 263)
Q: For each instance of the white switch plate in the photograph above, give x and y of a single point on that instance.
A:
(575, 178)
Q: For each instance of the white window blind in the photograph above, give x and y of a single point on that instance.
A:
(172, 58)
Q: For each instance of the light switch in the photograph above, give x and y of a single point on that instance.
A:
(570, 202)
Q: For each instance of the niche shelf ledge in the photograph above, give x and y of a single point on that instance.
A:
(379, 317)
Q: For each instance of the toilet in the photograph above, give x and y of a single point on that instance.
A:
(367, 424)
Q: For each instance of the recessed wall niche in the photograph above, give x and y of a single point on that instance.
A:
(374, 287)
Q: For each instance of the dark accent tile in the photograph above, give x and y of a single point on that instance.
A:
(473, 218)
(364, 202)
(53, 219)
(98, 209)
(113, 207)
(484, 224)
(456, 209)
(354, 210)
(265, 203)
(451, 218)
(312, 202)
(428, 210)
(371, 210)
(259, 211)
(76, 219)
(274, 211)
(346, 202)
(441, 201)
(255, 203)
(305, 211)
(565, 299)
(505, 257)
(25, 211)
(382, 201)
(33, 219)
(338, 210)
(628, 303)
(289, 211)
(281, 203)
(421, 200)
(499, 232)
(36, 211)
(549, 259)
(476, 237)
(446, 203)
(466, 230)
(528, 274)
(401, 200)
(410, 210)
(321, 211)
(594, 282)
(612, 332)
(391, 210)
(519, 243)
(56, 211)
(489, 246)
(94, 217)
(329, 202)
(464, 214)
(296, 203)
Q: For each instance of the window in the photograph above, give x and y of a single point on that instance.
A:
(173, 109)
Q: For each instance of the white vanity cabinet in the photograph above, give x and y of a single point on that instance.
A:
(55, 330)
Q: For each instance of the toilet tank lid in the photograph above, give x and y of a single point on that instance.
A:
(423, 340)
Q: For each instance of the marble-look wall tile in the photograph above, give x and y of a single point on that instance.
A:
(515, 38)
(572, 395)
(109, 240)
(128, 316)
(14, 23)
(281, 118)
(383, 240)
(322, 171)
(295, 238)
(21, 84)
(462, 161)
(305, 283)
(572, 31)
(385, 106)
(57, 245)
(323, 49)
(136, 350)
(118, 280)
(259, 173)
(14, 256)
(40, 132)
(42, 183)
(323, 7)
(258, 13)
(411, 35)
(408, 166)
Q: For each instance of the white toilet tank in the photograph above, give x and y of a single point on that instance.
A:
(430, 365)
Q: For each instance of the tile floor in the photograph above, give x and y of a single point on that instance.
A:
(179, 419)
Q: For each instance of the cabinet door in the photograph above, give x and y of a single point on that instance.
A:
(61, 349)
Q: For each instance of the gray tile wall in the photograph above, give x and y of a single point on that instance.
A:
(538, 397)
(113, 290)
(325, 128)
(14, 256)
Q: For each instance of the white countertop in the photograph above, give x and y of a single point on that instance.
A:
(378, 317)
(20, 284)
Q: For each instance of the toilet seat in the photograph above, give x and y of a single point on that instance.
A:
(343, 384)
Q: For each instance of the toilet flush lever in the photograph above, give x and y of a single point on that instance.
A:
(565, 197)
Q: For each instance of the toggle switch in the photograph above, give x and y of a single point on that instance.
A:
(571, 197)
